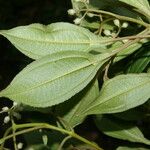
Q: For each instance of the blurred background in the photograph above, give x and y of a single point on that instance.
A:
(23, 12)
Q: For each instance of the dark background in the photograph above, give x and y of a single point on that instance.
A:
(23, 12)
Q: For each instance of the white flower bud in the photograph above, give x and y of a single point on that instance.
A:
(113, 34)
(125, 41)
(71, 12)
(90, 15)
(5, 109)
(20, 145)
(15, 104)
(107, 32)
(117, 22)
(125, 25)
(6, 119)
(77, 21)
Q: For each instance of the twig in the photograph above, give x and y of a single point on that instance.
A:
(63, 142)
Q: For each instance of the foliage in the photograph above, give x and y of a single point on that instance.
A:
(97, 66)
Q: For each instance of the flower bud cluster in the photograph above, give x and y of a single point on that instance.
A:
(118, 24)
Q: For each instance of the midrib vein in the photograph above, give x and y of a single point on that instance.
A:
(122, 93)
(49, 81)
(54, 42)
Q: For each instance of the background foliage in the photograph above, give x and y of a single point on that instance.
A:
(110, 101)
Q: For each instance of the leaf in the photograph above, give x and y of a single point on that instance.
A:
(71, 110)
(142, 5)
(121, 93)
(128, 51)
(54, 78)
(38, 40)
(120, 129)
(131, 148)
(140, 61)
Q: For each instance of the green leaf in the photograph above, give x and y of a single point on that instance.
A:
(128, 51)
(140, 61)
(71, 111)
(124, 53)
(142, 5)
(121, 93)
(54, 78)
(131, 148)
(38, 40)
(120, 129)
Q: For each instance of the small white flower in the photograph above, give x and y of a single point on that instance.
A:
(113, 34)
(15, 104)
(20, 145)
(125, 41)
(90, 15)
(71, 12)
(77, 21)
(6, 119)
(5, 109)
(125, 25)
(107, 32)
(116, 22)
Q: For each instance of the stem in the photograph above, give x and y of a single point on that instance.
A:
(35, 126)
(124, 46)
(118, 32)
(129, 38)
(5, 134)
(118, 17)
(63, 142)
(130, 42)
(13, 132)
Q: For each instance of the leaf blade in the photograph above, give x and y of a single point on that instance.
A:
(37, 40)
(142, 5)
(120, 130)
(122, 93)
(54, 78)
(71, 110)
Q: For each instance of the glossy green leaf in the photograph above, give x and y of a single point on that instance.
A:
(121, 93)
(54, 78)
(71, 111)
(131, 148)
(120, 129)
(38, 40)
(142, 5)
